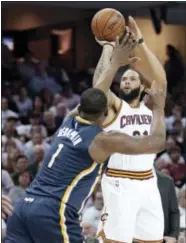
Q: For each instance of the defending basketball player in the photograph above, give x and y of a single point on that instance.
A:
(133, 209)
(49, 210)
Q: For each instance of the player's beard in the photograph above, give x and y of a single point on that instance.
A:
(130, 96)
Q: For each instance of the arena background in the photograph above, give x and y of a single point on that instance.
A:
(48, 59)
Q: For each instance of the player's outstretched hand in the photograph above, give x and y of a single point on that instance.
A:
(123, 50)
(134, 28)
(6, 207)
(156, 97)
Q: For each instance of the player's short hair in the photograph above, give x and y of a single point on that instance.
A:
(93, 102)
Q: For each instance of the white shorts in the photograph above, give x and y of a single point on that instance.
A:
(132, 210)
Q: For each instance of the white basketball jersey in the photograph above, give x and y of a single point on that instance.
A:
(134, 122)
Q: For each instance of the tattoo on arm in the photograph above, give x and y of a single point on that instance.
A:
(104, 59)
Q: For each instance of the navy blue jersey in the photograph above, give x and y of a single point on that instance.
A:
(68, 173)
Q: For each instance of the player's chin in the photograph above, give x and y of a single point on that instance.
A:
(126, 91)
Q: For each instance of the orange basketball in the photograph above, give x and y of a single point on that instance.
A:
(107, 24)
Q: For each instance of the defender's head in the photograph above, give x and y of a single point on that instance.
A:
(131, 86)
(93, 106)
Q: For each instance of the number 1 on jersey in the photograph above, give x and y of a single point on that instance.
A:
(60, 146)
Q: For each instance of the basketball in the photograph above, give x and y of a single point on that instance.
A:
(107, 24)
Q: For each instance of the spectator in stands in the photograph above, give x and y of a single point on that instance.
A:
(166, 158)
(47, 97)
(11, 160)
(178, 131)
(89, 231)
(70, 99)
(56, 100)
(37, 139)
(42, 80)
(174, 67)
(7, 182)
(38, 156)
(22, 164)
(49, 123)
(11, 133)
(93, 213)
(57, 71)
(38, 106)
(6, 112)
(175, 115)
(27, 130)
(177, 170)
(61, 112)
(23, 102)
(27, 65)
(7, 148)
(24, 179)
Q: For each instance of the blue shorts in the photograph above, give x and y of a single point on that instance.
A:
(37, 220)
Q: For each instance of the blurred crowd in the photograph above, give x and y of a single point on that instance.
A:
(36, 96)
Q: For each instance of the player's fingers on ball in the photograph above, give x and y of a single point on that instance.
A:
(127, 29)
(125, 39)
(132, 36)
(117, 41)
(130, 40)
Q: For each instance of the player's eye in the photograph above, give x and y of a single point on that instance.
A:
(133, 78)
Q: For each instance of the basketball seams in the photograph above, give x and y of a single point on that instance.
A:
(106, 23)
(113, 31)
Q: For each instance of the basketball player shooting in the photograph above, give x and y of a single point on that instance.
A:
(49, 210)
(133, 210)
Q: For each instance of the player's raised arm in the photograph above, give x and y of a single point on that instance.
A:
(106, 70)
(150, 67)
(102, 66)
(114, 142)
